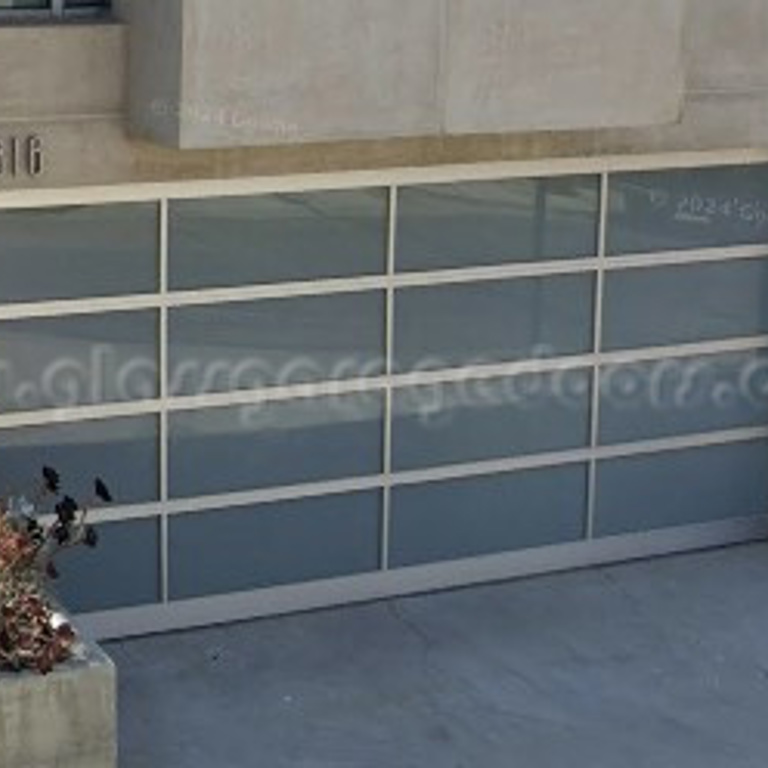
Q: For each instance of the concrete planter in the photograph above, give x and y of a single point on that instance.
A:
(67, 719)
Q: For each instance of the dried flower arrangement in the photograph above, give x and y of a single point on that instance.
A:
(32, 634)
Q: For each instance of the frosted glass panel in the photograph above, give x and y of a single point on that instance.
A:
(262, 546)
(123, 571)
(456, 325)
(675, 305)
(487, 515)
(78, 360)
(682, 488)
(78, 251)
(443, 226)
(122, 451)
(688, 208)
(273, 238)
(289, 341)
(663, 398)
(452, 423)
(235, 449)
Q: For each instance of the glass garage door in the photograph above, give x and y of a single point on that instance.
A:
(344, 387)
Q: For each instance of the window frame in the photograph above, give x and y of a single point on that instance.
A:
(58, 10)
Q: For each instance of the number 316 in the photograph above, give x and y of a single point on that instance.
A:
(21, 156)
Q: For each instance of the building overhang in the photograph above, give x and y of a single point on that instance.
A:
(212, 75)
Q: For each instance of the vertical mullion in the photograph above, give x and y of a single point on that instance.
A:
(389, 371)
(57, 8)
(597, 348)
(163, 367)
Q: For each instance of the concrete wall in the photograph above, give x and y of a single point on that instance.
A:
(524, 65)
(155, 68)
(334, 70)
(62, 72)
(67, 719)
(725, 56)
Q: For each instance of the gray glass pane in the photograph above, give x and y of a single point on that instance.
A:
(272, 444)
(686, 395)
(487, 515)
(83, 4)
(122, 571)
(675, 305)
(288, 542)
(276, 342)
(688, 208)
(77, 251)
(122, 451)
(79, 360)
(451, 423)
(443, 226)
(456, 325)
(24, 4)
(273, 238)
(682, 488)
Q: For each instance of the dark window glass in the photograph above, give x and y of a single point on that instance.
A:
(688, 208)
(459, 325)
(234, 550)
(664, 398)
(122, 451)
(249, 345)
(78, 251)
(478, 420)
(703, 485)
(487, 515)
(51, 6)
(442, 226)
(78, 360)
(226, 450)
(24, 5)
(684, 304)
(123, 571)
(274, 238)
(83, 4)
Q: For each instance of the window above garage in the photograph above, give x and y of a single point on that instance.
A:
(42, 9)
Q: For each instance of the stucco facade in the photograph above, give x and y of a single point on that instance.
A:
(116, 102)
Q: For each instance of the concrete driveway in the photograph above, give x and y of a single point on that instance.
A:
(659, 664)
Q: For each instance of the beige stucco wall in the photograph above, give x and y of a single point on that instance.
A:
(84, 126)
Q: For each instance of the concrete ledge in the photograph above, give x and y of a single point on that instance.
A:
(212, 75)
(67, 719)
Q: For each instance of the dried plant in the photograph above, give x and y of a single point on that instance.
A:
(32, 635)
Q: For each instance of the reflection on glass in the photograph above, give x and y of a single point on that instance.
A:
(78, 360)
(25, 5)
(682, 488)
(78, 251)
(48, 5)
(270, 444)
(688, 208)
(127, 562)
(684, 395)
(248, 345)
(487, 515)
(122, 451)
(442, 226)
(232, 241)
(460, 325)
(478, 420)
(266, 545)
(682, 304)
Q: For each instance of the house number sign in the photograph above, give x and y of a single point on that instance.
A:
(21, 156)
